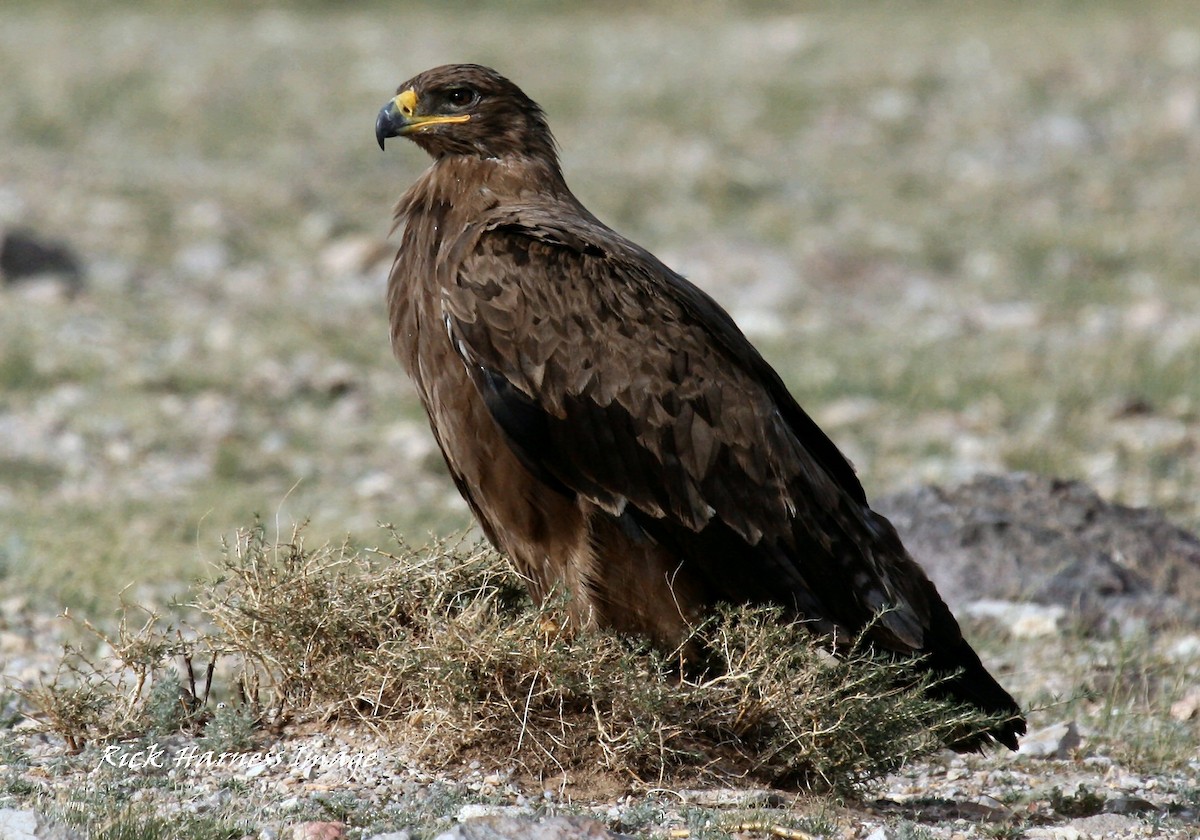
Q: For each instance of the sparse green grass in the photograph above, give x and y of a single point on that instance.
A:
(1082, 803)
(912, 831)
(231, 728)
(18, 369)
(1119, 690)
(132, 822)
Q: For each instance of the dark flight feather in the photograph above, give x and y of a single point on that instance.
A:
(608, 423)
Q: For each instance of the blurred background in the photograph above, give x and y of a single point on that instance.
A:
(967, 236)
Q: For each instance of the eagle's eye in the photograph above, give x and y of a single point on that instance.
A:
(461, 97)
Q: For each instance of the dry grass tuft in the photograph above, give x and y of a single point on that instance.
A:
(441, 649)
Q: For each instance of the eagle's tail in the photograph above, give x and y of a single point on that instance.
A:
(971, 683)
(940, 643)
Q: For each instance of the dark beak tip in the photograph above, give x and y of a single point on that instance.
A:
(384, 127)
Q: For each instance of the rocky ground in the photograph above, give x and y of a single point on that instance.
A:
(1112, 753)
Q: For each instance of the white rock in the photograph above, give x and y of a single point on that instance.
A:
(476, 809)
(1059, 832)
(1056, 741)
(1024, 621)
(306, 772)
(845, 411)
(891, 105)
(1182, 47)
(256, 770)
(18, 825)
(1185, 648)
(728, 797)
(202, 260)
(354, 255)
(759, 323)
(1188, 706)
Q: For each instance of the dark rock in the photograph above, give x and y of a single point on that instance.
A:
(1028, 538)
(1127, 805)
(25, 255)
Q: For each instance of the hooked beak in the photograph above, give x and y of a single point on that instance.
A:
(399, 118)
(387, 123)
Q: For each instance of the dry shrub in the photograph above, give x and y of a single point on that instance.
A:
(126, 689)
(442, 649)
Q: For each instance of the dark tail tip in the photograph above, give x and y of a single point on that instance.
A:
(973, 685)
(1006, 733)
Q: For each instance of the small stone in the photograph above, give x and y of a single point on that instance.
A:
(202, 260)
(46, 289)
(730, 798)
(1117, 778)
(318, 831)
(256, 770)
(1185, 648)
(476, 810)
(392, 835)
(11, 642)
(306, 772)
(846, 411)
(1057, 741)
(1187, 707)
(1024, 621)
(1061, 832)
(353, 255)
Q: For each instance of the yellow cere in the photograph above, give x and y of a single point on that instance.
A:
(406, 102)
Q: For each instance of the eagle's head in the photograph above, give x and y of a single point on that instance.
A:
(466, 109)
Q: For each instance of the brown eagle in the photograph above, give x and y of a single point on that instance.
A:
(611, 428)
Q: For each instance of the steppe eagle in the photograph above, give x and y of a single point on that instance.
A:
(609, 425)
